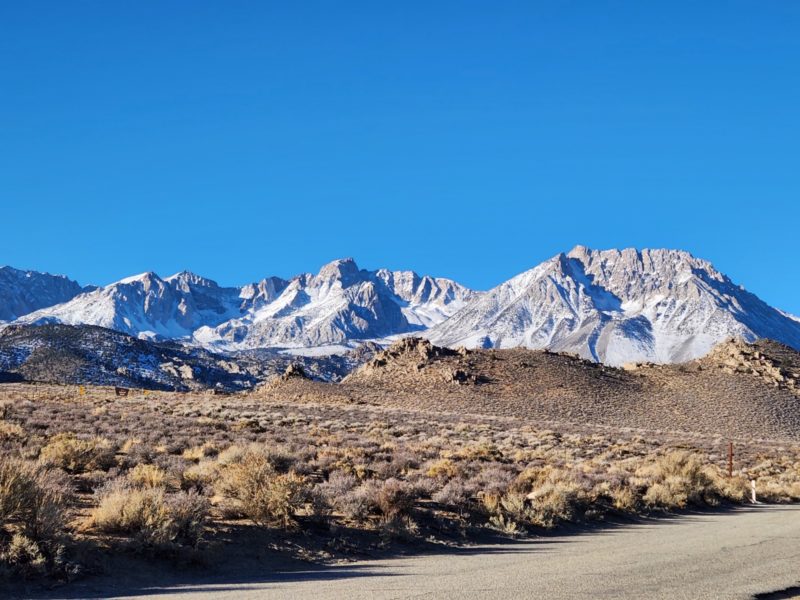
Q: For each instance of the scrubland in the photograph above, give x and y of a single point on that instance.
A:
(167, 474)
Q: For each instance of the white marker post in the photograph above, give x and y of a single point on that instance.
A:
(753, 491)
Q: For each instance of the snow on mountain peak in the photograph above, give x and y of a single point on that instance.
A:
(186, 279)
(617, 306)
(22, 292)
(344, 271)
(613, 306)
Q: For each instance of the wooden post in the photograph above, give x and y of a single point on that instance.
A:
(730, 459)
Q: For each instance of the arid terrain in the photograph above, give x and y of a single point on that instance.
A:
(421, 448)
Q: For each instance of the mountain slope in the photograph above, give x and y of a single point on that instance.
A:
(22, 292)
(148, 306)
(340, 304)
(85, 354)
(617, 306)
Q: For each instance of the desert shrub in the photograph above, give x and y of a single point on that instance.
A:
(355, 504)
(22, 557)
(35, 496)
(149, 476)
(494, 480)
(123, 508)
(624, 498)
(196, 453)
(393, 498)
(455, 494)
(553, 503)
(258, 491)
(75, 455)
(337, 486)
(33, 501)
(189, 514)
(677, 479)
(319, 504)
(11, 431)
(150, 515)
(199, 477)
(443, 468)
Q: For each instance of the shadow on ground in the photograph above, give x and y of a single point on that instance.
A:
(245, 560)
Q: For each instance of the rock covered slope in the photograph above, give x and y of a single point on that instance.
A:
(86, 354)
(616, 307)
(94, 355)
(739, 391)
(22, 292)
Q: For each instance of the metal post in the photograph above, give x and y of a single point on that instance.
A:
(730, 459)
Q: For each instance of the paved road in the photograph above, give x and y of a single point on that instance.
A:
(721, 555)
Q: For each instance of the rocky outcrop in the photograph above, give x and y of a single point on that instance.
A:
(416, 359)
(411, 347)
(294, 370)
(735, 356)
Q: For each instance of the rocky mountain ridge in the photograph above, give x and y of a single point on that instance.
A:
(23, 292)
(611, 306)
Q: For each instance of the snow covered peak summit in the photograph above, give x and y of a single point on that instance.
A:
(22, 292)
(340, 304)
(614, 306)
(617, 306)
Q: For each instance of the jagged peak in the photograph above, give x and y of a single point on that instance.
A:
(186, 278)
(146, 277)
(344, 270)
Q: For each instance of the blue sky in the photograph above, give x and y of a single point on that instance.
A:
(466, 139)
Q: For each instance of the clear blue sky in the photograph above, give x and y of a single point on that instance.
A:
(464, 139)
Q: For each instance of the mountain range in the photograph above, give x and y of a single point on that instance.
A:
(610, 306)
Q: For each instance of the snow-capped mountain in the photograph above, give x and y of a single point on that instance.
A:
(613, 306)
(339, 304)
(147, 306)
(22, 292)
(617, 306)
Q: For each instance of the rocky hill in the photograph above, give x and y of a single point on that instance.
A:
(745, 391)
(85, 354)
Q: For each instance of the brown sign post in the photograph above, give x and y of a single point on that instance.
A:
(730, 459)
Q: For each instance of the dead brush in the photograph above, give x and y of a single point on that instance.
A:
(66, 451)
(149, 514)
(678, 479)
(33, 507)
(394, 499)
(148, 476)
(254, 488)
(12, 432)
